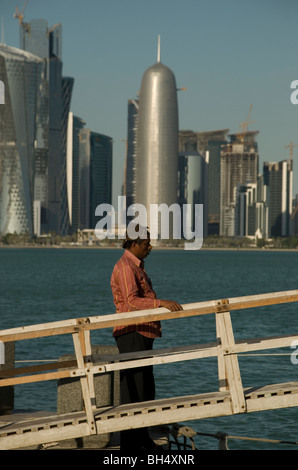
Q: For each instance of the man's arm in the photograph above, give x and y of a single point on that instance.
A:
(129, 290)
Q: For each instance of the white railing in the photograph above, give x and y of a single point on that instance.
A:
(225, 348)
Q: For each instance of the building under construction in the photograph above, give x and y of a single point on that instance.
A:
(239, 161)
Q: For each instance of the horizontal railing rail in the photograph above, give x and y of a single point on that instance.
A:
(158, 356)
(108, 321)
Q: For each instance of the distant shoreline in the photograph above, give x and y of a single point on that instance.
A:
(155, 248)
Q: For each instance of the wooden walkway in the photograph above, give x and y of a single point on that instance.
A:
(19, 431)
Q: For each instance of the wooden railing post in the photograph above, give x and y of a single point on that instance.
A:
(228, 367)
(82, 347)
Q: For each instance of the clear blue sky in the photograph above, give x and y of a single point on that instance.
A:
(227, 53)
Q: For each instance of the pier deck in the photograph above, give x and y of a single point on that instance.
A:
(20, 431)
(17, 430)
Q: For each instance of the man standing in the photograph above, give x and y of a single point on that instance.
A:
(132, 290)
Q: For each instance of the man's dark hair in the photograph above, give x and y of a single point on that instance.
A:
(127, 243)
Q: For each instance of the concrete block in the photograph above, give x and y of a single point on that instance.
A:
(7, 393)
(107, 392)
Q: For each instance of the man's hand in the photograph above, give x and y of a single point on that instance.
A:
(171, 305)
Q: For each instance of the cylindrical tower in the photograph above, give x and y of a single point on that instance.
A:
(157, 139)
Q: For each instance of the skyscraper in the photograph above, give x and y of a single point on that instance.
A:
(239, 165)
(131, 152)
(251, 213)
(211, 142)
(278, 177)
(245, 213)
(36, 37)
(20, 121)
(294, 217)
(193, 185)
(73, 169)
(95, 175)
(157, 138)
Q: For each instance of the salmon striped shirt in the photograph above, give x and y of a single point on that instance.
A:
(132, 290)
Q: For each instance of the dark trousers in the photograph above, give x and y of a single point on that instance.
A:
(135, 385)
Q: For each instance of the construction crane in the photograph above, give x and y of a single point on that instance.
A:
(20, 14)
(244, 125)
(291, 146)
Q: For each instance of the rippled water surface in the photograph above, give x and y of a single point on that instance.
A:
(43, 285)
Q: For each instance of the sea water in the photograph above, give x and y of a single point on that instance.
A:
(39, 285)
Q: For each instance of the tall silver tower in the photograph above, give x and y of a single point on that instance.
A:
(157, 138)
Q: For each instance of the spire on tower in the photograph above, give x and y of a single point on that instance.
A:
(158, 49)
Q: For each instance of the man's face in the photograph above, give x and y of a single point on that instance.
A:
(143, 249)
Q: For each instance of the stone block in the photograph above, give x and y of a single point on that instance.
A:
(7, 393)
(107, 393)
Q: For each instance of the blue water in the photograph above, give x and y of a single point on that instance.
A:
(42, 285)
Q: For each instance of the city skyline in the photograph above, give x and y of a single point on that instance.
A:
(228, 55)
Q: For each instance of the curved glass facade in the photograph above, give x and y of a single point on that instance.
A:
(22, 74)
(33, 131)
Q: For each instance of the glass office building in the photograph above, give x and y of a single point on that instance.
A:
(131, 153)
(210, 143)
(50, 175)
(95, 183)
(75, 124)
(20, 131)
(193, 185)
(278, 177)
